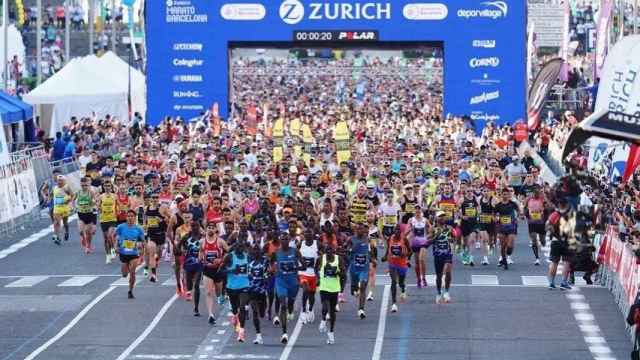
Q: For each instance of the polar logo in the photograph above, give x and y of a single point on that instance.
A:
(291, 11)
(494, 10)
(484, 62)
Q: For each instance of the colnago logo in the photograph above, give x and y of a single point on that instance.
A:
(493, 10)
(293, 11)
(484, 97)
(484, 62)
(487, 44)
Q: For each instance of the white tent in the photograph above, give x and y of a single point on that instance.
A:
(15, 46)
(86, 86)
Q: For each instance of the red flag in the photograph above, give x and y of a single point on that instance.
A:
(252, 117)
(632, 162)
(215, 119)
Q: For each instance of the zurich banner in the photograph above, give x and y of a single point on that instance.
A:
(484, 46)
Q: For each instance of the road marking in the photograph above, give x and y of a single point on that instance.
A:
(535, 280)
(241, 356)
(382, 323)
(124, 281)
(292, 341)
(226, 323)
(70, 325)
(26, 281)
(170, 281)
(161, 357)
(77, 281)
(221, 332)
(484, 280)
(149, 328)
(57, 276)
(31, 239)
(596, 343)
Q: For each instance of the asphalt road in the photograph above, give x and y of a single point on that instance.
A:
(57, 303)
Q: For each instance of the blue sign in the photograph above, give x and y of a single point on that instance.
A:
(484, 46)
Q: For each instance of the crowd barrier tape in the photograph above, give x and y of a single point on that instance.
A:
(619, 270)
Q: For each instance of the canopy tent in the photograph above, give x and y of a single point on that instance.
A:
(86, 87)
(14, 110)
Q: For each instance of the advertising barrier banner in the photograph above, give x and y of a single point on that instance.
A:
(620, 259)
(188, 46)
(18, 190)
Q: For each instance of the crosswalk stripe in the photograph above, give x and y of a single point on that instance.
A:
(535, 281)
(484, 280)
(77, 281)
(170, 281)
(26, 281)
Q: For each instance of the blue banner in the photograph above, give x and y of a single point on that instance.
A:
(484, 47)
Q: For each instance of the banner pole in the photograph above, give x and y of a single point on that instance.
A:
(5, 24)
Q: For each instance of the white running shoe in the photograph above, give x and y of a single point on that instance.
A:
(290, 316)
(485, 260)
(477, 244)
(310, 317)
(258, 340)
(394, 308)
(403, 296)
(337, 307)
(370, 296)
(361, 314)
(107, 259)
(446, 297)
(284, 339)
(438, 299)
(323, 327)
(303, 317)
(509, 260)
(276, 321)
(537, 262)
(330, 339)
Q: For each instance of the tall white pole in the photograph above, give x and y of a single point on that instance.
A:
(5, 24)
(39, 42)
(635, 14)
(67, 33)
(113, 26)
(92, 20)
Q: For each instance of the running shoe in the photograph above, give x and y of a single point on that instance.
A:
(341, 298)
(530, 243)
(471, 263)
(500, 261)
(212, 320)
(276, 321)
(146, 272)
(107, 259)
(241, 335)
(323, 326)
(394, 308)
(66, 236)
(130, 295)
(303, 317)
(537, 262)
(477, 244)
(362, 314)
(330, 339)
(419, 284)
(284, 339)
(370, 296)
(509, 260)
(438, 299)
(113, 254)
(290, 316)
(403, 296)
(587, 279)
(188, 296)
(220, 300)
(233, 320)
(337, 307)
(258, 339)
(485, 261)
(196, 313)
(424, 282)
(56, 240)
(446, 297)
(310, 317)
(552, 286)
(153, 278)
(565, 286)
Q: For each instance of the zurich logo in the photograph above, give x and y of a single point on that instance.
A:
(291, 11)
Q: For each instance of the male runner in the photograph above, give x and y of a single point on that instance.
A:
(506, 213)
(63, 197)
(108, 220)
(309, 251)
(130, 238)
(442, 238)
(85, 204)
(328, 269)
(284, 263)
(535, 207)
(211, 254)
(359, 266)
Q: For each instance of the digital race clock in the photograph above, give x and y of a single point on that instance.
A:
(333, 35)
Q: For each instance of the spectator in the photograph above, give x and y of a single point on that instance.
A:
(59, 147)
(70, 149)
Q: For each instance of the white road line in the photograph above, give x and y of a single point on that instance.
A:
(382, 323)
(535, 280)
(70, 325)
(149, 328)
(161, 357)
(596, 343)
(26, 281)
(124, 281)
(30, 240)
(58, 276)
(484, 280)
(292, 341)
(77, 281)
(240, 356)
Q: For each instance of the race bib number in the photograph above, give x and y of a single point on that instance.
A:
(153, 221)
(486, 219)
(360, 260)
(396, 250)
(211, 256)
(505, 220)
(330, 271)
(241, 269)
(390, 219)
(419, 232)
(536, 215)
(470, 212)
(257, 273)
(287, 267)
(308, 262)
(129, 244)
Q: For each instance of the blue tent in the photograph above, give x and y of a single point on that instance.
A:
(13, 110)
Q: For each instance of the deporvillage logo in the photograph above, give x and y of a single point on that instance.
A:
(493, 10)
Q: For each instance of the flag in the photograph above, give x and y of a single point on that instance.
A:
(278, 138)
(341, 139)
(294, 133)
(540, 88)
(252, 119)
(307, 139)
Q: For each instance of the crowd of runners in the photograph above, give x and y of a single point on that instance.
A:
(203, 201)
